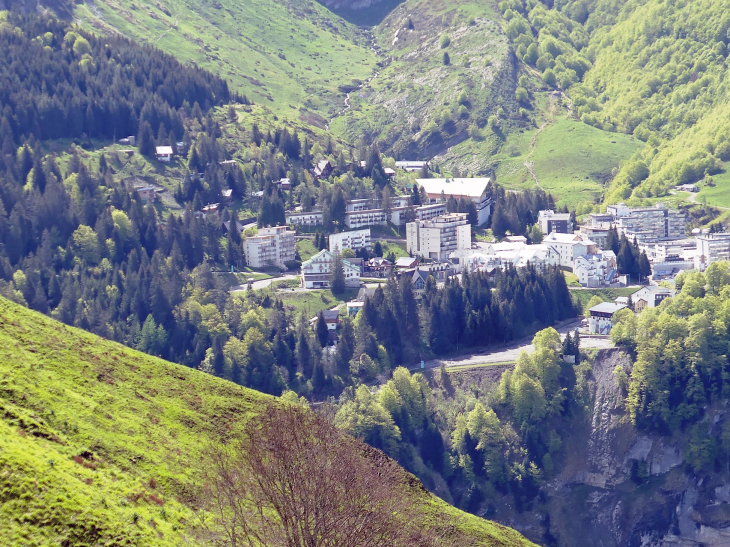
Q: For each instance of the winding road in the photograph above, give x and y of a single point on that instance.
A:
(509, 353)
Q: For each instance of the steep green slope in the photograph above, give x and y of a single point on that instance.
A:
(100, 445)
(653, 69)
(288, 55)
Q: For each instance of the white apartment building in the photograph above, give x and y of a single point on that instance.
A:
(271, 247)
(399, 215)
(570, 247)
(438, 238)
(593, 270)
(648, 224)
(365, 217)
(599, 234)
(354, 240)
(317, 271)
(712, 248)
(475, 189)
(312, 218)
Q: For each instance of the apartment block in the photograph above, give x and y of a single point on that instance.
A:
(365, 217)
(549, 221)
(438, 237)
(712, 248)
(312, 218)
(648, 224)
(570, 247)
(354, 240)
(271, 247)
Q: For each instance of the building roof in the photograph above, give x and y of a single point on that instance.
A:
(607, 307)
(419, 274)
(365, 292)
(403, 164)
(552, 215)
(472, 188)
(405, 262)
(325, 252)
(329, 316)
(164, 150)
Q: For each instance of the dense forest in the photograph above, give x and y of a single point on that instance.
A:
(57, 82)
(681, 365)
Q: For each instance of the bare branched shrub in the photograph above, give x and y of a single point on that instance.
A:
(294, 480)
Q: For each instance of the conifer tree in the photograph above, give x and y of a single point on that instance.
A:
(322, 330)
(337, 281)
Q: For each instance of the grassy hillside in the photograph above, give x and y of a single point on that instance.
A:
(100, 445)
(570, 159)
(290, 56)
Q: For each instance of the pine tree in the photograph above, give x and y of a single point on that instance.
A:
(337, 281)
(322, 330)
(145, 140)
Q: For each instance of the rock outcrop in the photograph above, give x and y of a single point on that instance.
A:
(621, 487)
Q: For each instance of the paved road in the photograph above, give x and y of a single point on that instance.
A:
(262, 284)
(510, 353)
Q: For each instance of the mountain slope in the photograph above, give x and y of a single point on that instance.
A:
(290, 56)
(100, 444)
(422, 103)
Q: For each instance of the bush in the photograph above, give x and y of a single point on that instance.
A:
(447, 59)
(445, 41)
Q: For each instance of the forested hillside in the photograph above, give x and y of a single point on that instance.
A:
(288, 56)
(58, 83)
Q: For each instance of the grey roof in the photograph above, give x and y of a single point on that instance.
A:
(607, 307)
(364, 293)
(418, 273)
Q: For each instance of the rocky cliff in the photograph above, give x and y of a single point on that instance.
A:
(621, 487)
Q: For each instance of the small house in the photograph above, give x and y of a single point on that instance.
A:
(353, 307)
(601, 319)
(285, 184)
(146, 194)
(378, 267)
(130, 141)
(164, 153)
(419, 282)
(323, 170)
(331, 317)
(390, 173)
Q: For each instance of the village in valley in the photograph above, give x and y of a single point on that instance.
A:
(438, 227)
